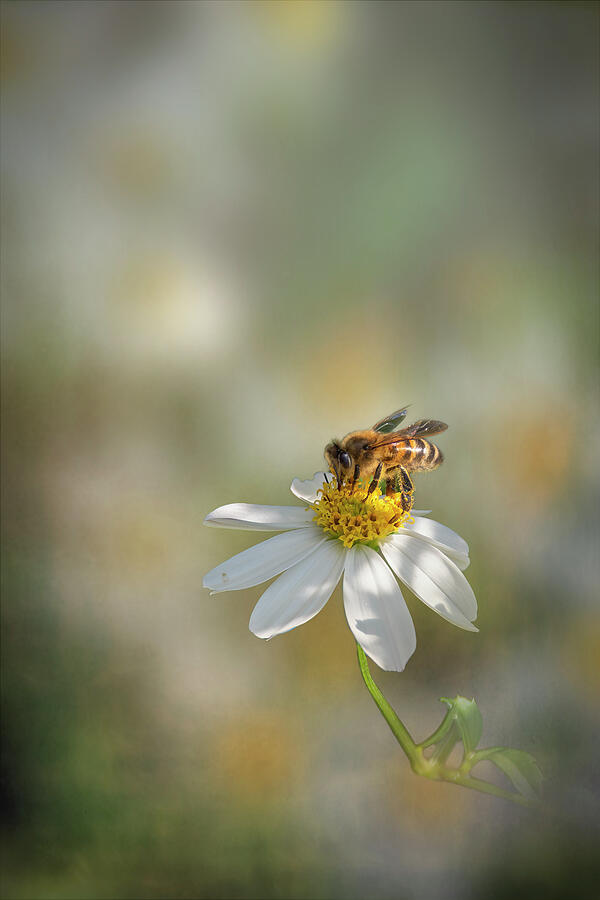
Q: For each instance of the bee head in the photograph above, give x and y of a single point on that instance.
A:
(338, 458)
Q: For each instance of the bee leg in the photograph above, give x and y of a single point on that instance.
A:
(406, 481)
(375, 480)
(355, 477)
(406, 501)
(407, 490)
(392, 485)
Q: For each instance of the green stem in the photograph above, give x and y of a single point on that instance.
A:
(433, 768)
(399, 731)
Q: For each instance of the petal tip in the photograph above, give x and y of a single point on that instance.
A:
(394, 668)
(256, 632)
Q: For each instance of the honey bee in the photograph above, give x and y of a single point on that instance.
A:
(381, 452)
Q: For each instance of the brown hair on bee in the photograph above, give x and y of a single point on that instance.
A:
(381, 452)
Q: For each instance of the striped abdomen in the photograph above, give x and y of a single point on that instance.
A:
(415, 454)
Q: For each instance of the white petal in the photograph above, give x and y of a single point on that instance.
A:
(307, 490)
(446, 540)
(376, 611)
(254, 517)
(434, 578)
(264, 560)
(300, 593)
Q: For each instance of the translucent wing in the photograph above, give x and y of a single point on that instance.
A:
(384, 426)
(419, 429)
(422, 428)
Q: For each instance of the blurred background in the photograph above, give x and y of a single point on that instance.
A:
(230, 232)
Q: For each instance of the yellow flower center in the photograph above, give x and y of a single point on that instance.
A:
(355, 516)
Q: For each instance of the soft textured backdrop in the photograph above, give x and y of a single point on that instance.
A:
(230, 232)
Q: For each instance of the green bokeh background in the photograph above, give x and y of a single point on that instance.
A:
(230, 232)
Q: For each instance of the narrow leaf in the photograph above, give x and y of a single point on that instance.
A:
(522, 770)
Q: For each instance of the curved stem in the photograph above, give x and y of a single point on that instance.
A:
(399, 730)
(433, 767)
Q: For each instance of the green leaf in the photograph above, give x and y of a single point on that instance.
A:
(521, 768)
(468, 720)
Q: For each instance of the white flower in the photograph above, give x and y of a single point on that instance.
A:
(357, 535)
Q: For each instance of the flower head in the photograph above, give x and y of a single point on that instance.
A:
(357, 516)
(368, 538)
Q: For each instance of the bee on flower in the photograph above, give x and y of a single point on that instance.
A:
(356, 523)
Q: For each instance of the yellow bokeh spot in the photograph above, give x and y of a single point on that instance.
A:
(259, 757)
(354, 516)
(305, 23)
(580, 651)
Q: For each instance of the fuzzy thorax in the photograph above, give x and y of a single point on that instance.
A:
(354, 516)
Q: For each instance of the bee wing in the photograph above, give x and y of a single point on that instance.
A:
(423, 427)
(384, 426)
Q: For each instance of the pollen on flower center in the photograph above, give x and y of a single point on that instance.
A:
(354, 516)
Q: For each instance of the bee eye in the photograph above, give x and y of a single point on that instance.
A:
(344, 458)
